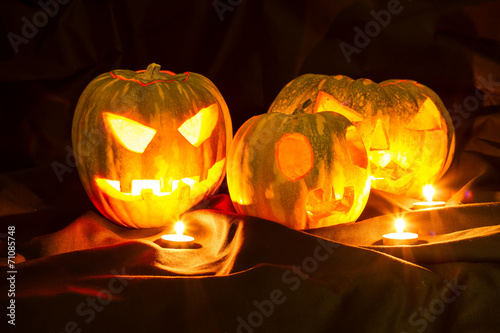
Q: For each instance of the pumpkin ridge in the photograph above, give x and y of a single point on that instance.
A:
(144, 84)
(258, 187)
(394, 103)
(167, 158)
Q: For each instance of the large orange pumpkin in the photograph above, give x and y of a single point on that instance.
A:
(407, 130)
(302, 170)
(150, 144)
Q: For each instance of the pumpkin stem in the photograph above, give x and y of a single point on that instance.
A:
(152, 72)
(301, 109)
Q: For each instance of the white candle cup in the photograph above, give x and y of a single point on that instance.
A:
(178, 240)
(175, 241)
(400, 238)
(428, 191)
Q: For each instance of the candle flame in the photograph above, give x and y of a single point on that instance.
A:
(400, 225)
(428, 192)
(179, 228)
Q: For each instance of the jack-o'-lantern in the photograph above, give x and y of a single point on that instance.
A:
(302, 170)
(150, 144)
(407, 130)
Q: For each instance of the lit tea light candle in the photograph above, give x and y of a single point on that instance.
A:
(400, 237)
(428, 194)
(178, 240)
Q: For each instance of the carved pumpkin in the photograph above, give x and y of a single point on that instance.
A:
(407, 130)
(150, 144)
(303, 170)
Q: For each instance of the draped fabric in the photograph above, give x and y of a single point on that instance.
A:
(75, 271)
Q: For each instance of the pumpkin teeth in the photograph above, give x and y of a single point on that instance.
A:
(184, 190)
(125, 183)
(181, 189)
(165, 186)
(145, 185)
(184, 181)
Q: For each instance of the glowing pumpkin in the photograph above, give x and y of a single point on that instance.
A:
(303, 170)
(407, 130)
(150, 144)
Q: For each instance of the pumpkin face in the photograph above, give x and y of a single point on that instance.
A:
(150, 144)
(407, 130)
(303, 170)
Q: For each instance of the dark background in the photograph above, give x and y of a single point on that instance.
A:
(250, 49)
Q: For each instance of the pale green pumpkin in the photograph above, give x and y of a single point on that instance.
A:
(150, 144)
(303, 170)
(407, 130)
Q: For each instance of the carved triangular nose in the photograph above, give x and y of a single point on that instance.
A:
(380, 141)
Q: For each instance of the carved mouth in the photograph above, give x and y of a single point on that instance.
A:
(178, 189)
(385, 166)
(320, 204)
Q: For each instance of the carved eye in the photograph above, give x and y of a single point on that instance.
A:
(428, 118)
(356, 147)
(200, 127)
(326, 102)
(295, 156)
(132, 135)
